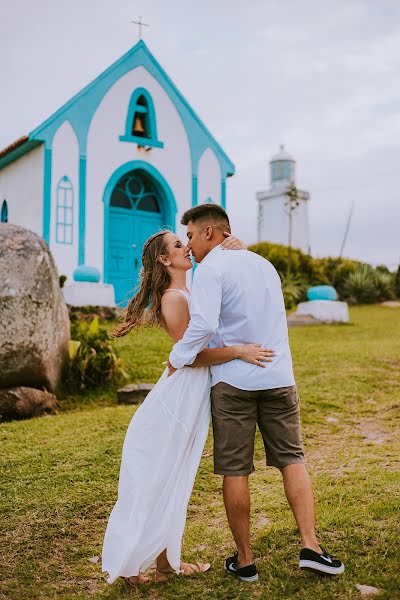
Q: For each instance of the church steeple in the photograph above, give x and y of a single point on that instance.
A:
(282, 168)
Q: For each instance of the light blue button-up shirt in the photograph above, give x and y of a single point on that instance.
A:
(237, 299)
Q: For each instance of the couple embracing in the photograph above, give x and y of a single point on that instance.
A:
(231, 345)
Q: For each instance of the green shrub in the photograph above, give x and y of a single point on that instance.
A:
(385, 284)
(278, 256)
(337, 270)
(359, 287)
(397, 282)
(306, 270)
(354, 281)
(294, 290)
(367, 285)
(93, 359)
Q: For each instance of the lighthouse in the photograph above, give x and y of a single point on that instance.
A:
(283, 209)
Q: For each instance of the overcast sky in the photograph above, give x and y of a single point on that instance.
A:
(320, 76)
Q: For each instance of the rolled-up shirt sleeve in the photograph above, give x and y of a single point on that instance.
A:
(205, 308)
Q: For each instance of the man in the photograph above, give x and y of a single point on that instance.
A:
(237, 299)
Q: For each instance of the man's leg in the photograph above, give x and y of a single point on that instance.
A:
(237, 506)
(234, 415)
(279, 423)
(299, 493)
(298, 490)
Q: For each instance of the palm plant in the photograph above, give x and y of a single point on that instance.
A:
(294, 289)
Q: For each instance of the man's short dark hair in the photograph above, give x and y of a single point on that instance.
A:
(205, 212)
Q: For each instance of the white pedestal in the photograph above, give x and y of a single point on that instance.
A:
(328, 311)
(85, 293)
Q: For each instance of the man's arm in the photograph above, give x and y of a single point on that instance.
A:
(205, 308)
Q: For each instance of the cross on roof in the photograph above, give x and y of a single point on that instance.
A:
(140, 25)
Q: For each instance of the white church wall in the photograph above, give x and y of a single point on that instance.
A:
(65, 162)
(106, 153)
(209, 178)
(21, 185)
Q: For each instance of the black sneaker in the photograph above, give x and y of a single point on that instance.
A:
(248, 573)
(321, 563)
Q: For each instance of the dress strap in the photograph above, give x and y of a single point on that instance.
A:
(186, 293)
(177, 290)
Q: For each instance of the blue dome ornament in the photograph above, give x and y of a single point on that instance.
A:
(322, 292)
(88, 274)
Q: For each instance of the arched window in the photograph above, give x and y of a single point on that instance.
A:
(65, 211)
(141, 127)
(136, 190)
(4, 212)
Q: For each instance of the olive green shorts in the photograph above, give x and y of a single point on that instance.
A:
(235, 414)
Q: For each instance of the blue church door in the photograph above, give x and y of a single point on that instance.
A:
(135, 213)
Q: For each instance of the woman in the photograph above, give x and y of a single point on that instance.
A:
(166, 436)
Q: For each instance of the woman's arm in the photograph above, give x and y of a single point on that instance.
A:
(175, 317)
(251, 353)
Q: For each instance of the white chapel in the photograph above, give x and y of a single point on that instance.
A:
(123, 158)
(274, 206)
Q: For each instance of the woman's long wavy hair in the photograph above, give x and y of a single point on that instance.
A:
(145, 306)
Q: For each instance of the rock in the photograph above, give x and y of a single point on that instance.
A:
(134, 393)
(332, 420)
(327, 311)
(25, 402)
(298, 320)
(367, 590)
(34, 323)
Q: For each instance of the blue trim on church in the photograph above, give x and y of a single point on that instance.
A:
(82, 210)
(47, 194)
(223, 194)
(194, 190)
(4, 212)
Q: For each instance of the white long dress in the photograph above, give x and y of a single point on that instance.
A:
(160, 458)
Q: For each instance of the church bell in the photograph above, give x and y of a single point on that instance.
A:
(138, 128)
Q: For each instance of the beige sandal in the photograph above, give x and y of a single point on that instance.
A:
(137, 580)
(187, 569)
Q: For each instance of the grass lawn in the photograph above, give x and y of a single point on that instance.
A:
(59, 479)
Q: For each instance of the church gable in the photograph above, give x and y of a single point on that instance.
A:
(81, 108)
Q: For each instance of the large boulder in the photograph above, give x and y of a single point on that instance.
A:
(24, 402)
(34, 321)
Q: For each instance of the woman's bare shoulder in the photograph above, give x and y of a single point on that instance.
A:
(173, 297)
(174, 314)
